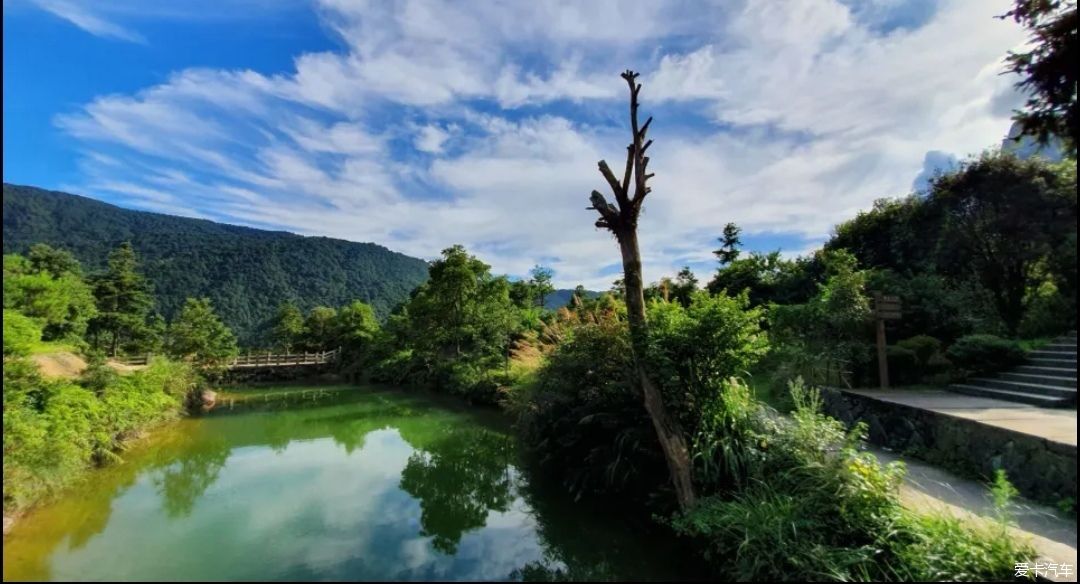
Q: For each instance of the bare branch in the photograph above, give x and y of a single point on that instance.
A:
(616, 188)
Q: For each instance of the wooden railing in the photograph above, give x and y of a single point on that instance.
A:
(267, 359)
(284, 359)
(134, 359)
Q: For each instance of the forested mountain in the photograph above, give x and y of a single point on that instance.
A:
(245, 272)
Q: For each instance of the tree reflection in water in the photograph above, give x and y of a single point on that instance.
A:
(458, 480)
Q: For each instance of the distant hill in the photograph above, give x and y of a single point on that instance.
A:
(245, 272)
(560, 298)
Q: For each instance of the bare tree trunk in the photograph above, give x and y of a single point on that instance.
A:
(668, 430)
(622, 222)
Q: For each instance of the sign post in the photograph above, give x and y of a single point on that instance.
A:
(885, 308)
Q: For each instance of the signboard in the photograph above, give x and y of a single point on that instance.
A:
(885, 308)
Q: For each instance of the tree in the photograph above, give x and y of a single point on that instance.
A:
(56, 262)
(198, 334)
(729, 244)
(686, 283)
(320, 328)
(54, 294)
(124, 298)
(1003, 216)
(1048, 69)
(621, 221)
(523, 294)
(541, 282)
(356, 325)
(288, 329)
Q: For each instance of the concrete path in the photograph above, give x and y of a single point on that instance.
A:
(1054, 424)
(928, 488)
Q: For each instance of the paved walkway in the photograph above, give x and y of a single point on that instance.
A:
(1058, 425)
(928, 488)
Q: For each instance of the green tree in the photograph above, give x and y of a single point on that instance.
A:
(51, 292)
(1048, 69)
(124, 299)
(523, 293)
(541, 283)
(198, 334)
(320, 328)
(356, 325)
(56, 262)
(288, 328)
(20, 333)
(1003, 216)
(729, 245)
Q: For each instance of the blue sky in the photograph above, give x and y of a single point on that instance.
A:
(420, 124)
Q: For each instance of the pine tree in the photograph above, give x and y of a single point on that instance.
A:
(124, 299)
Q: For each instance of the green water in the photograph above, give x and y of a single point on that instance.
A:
(360, 484)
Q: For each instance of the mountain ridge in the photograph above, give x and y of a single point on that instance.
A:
(245, 271)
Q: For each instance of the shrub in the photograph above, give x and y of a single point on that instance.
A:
(981, 354)
(924, 347)
(55, 429)
(904, 367)
(21, 333)
(815, 508)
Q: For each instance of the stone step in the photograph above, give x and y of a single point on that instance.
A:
(1053, 362)
(1033, 388)
(1060, 345)
(1039, 378)
(1013, 396)
(1054, 354)
(1053, 371)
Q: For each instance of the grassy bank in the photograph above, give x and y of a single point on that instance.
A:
(56, 429)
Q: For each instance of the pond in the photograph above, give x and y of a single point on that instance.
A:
(316, 484)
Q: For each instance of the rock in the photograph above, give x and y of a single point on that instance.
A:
(208, 399)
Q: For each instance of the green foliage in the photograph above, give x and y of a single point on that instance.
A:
(456, 329)
(767, 277)
(124, 299)
(198, 334)
(693, 351)
(288, 327)
(826, 339)
(808, 506)
(49, 288)
(923, 346)
(729, 245)
(966, 256)
(541, 283)
(53, 430)
(904, 368)
(246, 273)
(982, 354)
(21, 333)
(1047, 69)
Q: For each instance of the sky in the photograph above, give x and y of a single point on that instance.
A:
(420, 124)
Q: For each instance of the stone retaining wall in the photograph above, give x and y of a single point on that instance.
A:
(1042, 470)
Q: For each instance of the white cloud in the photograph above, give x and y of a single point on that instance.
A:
(454, 122)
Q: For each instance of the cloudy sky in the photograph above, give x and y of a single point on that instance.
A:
(420, 124)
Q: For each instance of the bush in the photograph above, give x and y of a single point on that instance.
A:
(53, 430)
(982, 354)
(815, 508)
(904, 368)
(924, 347)
(21, 333)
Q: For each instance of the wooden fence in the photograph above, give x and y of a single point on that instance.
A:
(284, 359)
(267, 359)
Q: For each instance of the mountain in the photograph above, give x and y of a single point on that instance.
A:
(245, 272)
(561, 298)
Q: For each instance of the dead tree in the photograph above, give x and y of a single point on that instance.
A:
(622, 221)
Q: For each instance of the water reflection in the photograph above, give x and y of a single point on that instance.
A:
(372, 485)
(459, 481)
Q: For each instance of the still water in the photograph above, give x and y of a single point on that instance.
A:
(352, 484)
